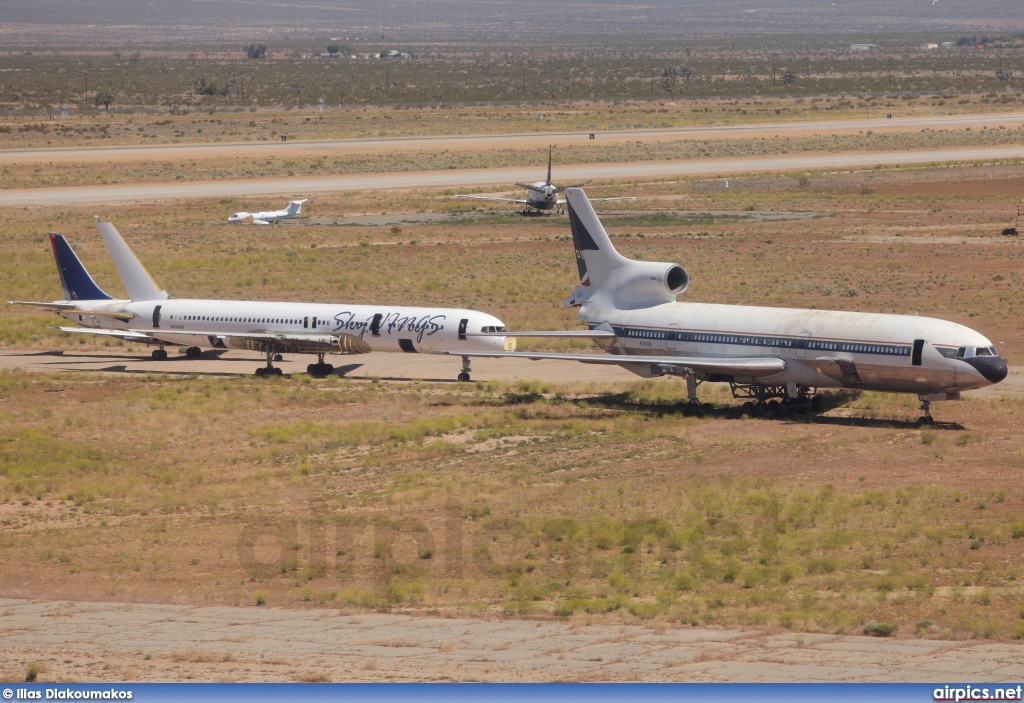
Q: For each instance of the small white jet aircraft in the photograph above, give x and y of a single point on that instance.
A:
(267, 217)
(149, 316)
(541, 195)
(766, 355)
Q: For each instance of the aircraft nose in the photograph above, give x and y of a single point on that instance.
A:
(992, 368)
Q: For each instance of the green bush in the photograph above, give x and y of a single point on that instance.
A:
(879, 629)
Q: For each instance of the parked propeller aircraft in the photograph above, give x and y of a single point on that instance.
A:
(268, 217)
(541, 195)
(766, 355)
(149, 316)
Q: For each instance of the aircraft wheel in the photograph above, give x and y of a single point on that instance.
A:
(773, 408)
(159, 355)
(925, 420)
(276, 371)
(278, 357)
(463, 376)
(261, 371)
(328, 369)
(311, 369)
(193, 352)
(748, 409)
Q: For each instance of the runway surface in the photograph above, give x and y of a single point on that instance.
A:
(93, 641)
(387, 367)
(496, 176)
(329, 147)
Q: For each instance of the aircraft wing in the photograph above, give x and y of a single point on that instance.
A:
(119, 334)
(584, 334)
(739, 366)
(499, 200)
(65, 307)
(594, 200)
(261, 222)
(293, 342)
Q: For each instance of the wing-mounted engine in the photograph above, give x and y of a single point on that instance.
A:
(642, 284)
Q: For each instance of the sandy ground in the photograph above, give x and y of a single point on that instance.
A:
(388, 367)
(338, 147)
(504, 176)
(79, 641)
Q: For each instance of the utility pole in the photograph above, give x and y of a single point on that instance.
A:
(890, 73)
(387, 83)
(652, 81)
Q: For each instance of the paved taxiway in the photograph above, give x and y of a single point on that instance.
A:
(106, 642)
(395, 367)
(337, 147)
(469, 178)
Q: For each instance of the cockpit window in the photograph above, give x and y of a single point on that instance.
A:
(947, 352)
(985, 351)
(961, 352)
(490, 329)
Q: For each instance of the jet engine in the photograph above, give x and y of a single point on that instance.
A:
(643, 284)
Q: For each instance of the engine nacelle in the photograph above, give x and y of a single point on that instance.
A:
(642, 284)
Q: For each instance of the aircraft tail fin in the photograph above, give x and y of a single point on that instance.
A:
(623, 283)
(550, 150)
(74, 279)
(295, 207)
(137, 281)
(596, 257)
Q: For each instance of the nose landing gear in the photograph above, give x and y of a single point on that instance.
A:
(464, 374)
(926, 413)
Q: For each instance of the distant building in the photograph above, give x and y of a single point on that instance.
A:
(863, 47)
(948, 44)
(929, 47)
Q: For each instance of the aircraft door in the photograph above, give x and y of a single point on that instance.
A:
(673, 337)
(801, 347)
(156, 316)
(305, 323)
(375, 324)
(463, 324)
(915, 354)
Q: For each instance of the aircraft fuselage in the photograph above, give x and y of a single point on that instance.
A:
(369, 327)
(822, 349)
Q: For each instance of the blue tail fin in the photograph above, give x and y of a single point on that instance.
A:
(74, 279)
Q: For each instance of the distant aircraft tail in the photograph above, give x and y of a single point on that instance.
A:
(623, 283)
(137, 281)
(295, 207)
(74, 279)
(550, 151)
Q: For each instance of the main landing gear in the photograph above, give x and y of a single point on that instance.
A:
(776, 401)
(464, 374)
(320, 369)
(159, 354)
(193, 352)
(269, 369)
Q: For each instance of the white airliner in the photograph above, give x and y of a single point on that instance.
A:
(766, 354)
(267, 217)
(148, 316)
(541, 195)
